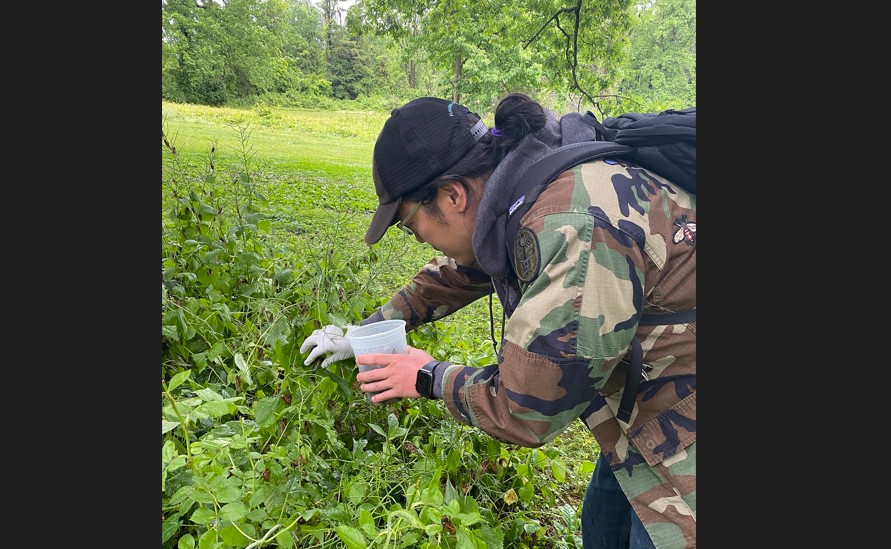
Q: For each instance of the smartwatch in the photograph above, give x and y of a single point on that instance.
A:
(424, 381)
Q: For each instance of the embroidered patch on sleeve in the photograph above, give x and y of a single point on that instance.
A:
(686, 231)
(527, 256)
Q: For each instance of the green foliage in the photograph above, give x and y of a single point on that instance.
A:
(661, 72)
(351, 68)
(259, 450)
(618, 56)
(481, 51)
(219, 53)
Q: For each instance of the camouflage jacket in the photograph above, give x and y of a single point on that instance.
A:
(608, 241)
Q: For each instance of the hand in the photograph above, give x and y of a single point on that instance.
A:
(330, 339)
(394, 375)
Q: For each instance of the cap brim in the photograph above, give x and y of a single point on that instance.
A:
(384, 216)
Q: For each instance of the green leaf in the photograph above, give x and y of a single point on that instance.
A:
(184, 326)
(170, 332)
(393, 428)
(409, 539)
(468, 519)
(181, 495)
(453, 460)
(208, 540)
(540, 458)
(243, 367)
(586, 467)
(168, 425)
(174, 464)
(526, 492)
(202, 496)
(178, 379)
(264, 411)
(366, 522)
(231, 536)
(169, 527)
(186, 542)
(170, 461)
(326, 388)
(343, 384)
(226, 489)
(352, 537)
(234, 511)
(285, 539)
(451, 494)
(467, 539)
(203, 515)
(494, 538)
(215, 408)
(357, 491)
(208, 395)
(168, 452)
(559, 470)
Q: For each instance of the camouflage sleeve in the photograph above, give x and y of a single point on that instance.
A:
(438, 290)
(597, 243)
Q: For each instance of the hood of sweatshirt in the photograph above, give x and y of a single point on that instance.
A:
(489, 230)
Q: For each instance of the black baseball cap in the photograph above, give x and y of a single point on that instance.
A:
(419, 142)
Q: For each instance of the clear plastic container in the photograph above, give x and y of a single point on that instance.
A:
(384, 337)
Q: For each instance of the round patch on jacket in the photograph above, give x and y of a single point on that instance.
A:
(527, 257)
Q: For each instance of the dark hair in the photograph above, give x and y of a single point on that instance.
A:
(516, 116)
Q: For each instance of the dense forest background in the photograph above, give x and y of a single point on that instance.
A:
(617, 55)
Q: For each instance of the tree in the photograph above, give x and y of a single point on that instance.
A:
(487, 49)
(351, 67)
(381, 18)
(661, 72)
(217, 51)
(304, 51)
(213, 52)
(191, 61)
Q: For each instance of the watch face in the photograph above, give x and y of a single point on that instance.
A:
(424, 383)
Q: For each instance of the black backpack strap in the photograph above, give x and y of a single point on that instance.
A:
(680, 317)
(635, 364)
(603, 133)
(632, 380)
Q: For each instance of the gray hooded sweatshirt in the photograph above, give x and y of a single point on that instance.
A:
(489, 230)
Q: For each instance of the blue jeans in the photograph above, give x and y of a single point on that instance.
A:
(608, 521)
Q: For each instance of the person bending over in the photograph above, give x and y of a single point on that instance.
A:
(596, 250)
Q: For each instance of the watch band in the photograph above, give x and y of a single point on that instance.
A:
(426, 378)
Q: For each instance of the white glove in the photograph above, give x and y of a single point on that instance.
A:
(330, 339)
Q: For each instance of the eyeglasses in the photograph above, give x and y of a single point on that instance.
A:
(401, 224)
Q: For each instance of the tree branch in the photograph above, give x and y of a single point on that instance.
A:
(572, 43)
